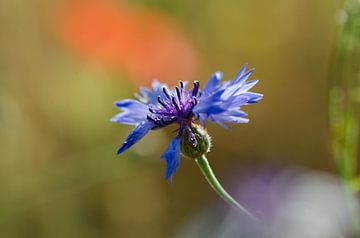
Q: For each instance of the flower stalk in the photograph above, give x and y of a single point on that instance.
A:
(206, 170)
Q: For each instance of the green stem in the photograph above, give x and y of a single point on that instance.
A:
(215, 184)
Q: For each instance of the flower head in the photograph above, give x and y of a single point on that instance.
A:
(217, 102)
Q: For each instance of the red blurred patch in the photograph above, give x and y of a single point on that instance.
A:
(145, 43)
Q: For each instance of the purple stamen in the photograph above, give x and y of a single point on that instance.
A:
(178, 93)
(161, 102)
(196, 88)
(166, 93)
(193, 103)
(176, 105)
(149, 117)
(151, 110)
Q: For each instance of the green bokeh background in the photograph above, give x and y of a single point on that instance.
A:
(59, 175)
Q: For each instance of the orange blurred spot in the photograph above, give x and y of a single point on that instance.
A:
(146, 44)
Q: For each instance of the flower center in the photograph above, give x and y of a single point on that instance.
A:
(174, 106)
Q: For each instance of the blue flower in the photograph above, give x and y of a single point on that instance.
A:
(218, 102)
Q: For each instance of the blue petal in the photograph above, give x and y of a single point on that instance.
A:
(221, 102)
(157, 86)
(137, 134)
(172, 157)
(221, 119)
(236, 112)
(134, 112)
(209, 104)
(238, 89)
(214, 108)
(212, 83)
(149, 96)
(144, 94)
(217, 119)
(240, 73)
(242, 76)
(252, 97)
(245, 87)
(237, 119)
(129, 103)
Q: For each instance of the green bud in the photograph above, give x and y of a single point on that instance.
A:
(203, 142)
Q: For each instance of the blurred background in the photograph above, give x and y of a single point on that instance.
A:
(64, 63)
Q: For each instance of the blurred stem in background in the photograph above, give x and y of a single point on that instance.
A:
(344, 92)
(344, 98)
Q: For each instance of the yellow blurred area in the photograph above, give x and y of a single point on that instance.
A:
(59, 173)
